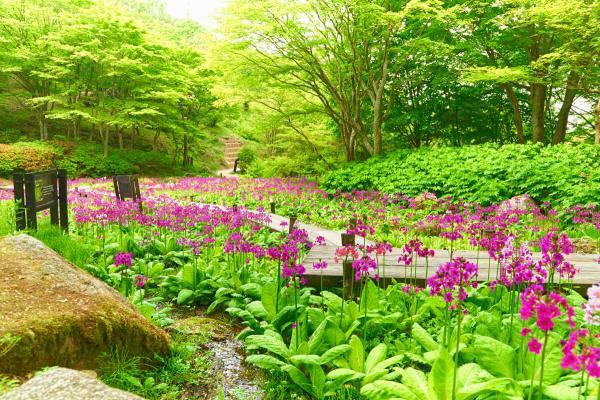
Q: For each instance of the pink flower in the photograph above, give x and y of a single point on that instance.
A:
(592, 308)
(451, 280)
(534, 346)
(123, 259)
(579, 352)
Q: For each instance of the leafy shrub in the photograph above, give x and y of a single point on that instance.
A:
(10, 135)
(30, 156)
(245, 157)
(564, 174)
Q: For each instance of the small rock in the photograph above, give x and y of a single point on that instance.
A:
(66, 384)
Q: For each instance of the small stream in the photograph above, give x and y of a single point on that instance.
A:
(235, 379)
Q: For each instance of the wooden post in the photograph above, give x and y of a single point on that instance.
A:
(272, 205)
(62, 200)
(54, 207)
(292, 223)
(348, 239)
(348, 276)
(18, 181)
(30, 201)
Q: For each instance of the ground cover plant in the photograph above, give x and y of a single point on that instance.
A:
(524, 332)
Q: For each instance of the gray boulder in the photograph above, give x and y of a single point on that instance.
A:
(66, 384)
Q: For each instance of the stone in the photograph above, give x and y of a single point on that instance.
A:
(61, 315)
(518, 203)
(585, 245)
(62, 384)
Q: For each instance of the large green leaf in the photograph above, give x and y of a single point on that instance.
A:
(356, 357)
(268, 297)
(423, 337)
(440, 377)
(299, 378)
(376, 355)
(184, 295)
(270, 341)
(316, 339)
(264, 361)
(416, 381)
(334, 353)
(494, 356)
(383, 390)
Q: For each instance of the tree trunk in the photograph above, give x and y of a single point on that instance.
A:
(597, 139)
(77, 130)
(538, 108)
(185, 150)
(560, 132)
(104, 135)
(120, 136)
(517, 117)
(155, 140)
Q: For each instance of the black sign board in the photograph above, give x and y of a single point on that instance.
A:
(39, 191)
(127, 187)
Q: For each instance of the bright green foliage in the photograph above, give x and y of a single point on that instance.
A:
(565, 175)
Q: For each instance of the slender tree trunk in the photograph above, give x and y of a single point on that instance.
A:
(517, 117)
(134, 129)
(77, 130)
(560, 132)
(597, 139)
(155, 140)
(185, 150)
(538, 108)
(120, 136)
(104, 135)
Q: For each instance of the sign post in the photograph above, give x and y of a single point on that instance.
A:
(127, 187)
(39, 191)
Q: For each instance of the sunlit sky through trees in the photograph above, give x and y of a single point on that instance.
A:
(202, 11)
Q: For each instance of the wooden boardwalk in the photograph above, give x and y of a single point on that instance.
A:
(586, 264)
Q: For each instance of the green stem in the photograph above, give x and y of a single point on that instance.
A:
(456, 354)
(532, 376)
(542, 367)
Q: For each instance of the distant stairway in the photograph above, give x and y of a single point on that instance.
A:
(232, 146)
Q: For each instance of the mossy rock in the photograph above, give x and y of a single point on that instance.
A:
(61, 315)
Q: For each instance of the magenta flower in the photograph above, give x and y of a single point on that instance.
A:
(534, 345)
(451, 280)
(545, 308)
(123, 259)
(321, 265)
(140, 280)
(580, 353)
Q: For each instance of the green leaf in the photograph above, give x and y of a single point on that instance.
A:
(308, 359)
(270, 341)
(334, 353)
(494, 356)
(316, 339)
(382, 390)
(416, 381)
(376, 355)
(299, 378)
(184, 295)
(356, 357)
(423, 337)
(268, 297)
(440, 377)
(264, 361)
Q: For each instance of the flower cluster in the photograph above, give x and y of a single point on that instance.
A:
(554, 248)
(580, 353)
(592, 308)
(123, 260)
(517, 266)
(140, 280)
(452, 279)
